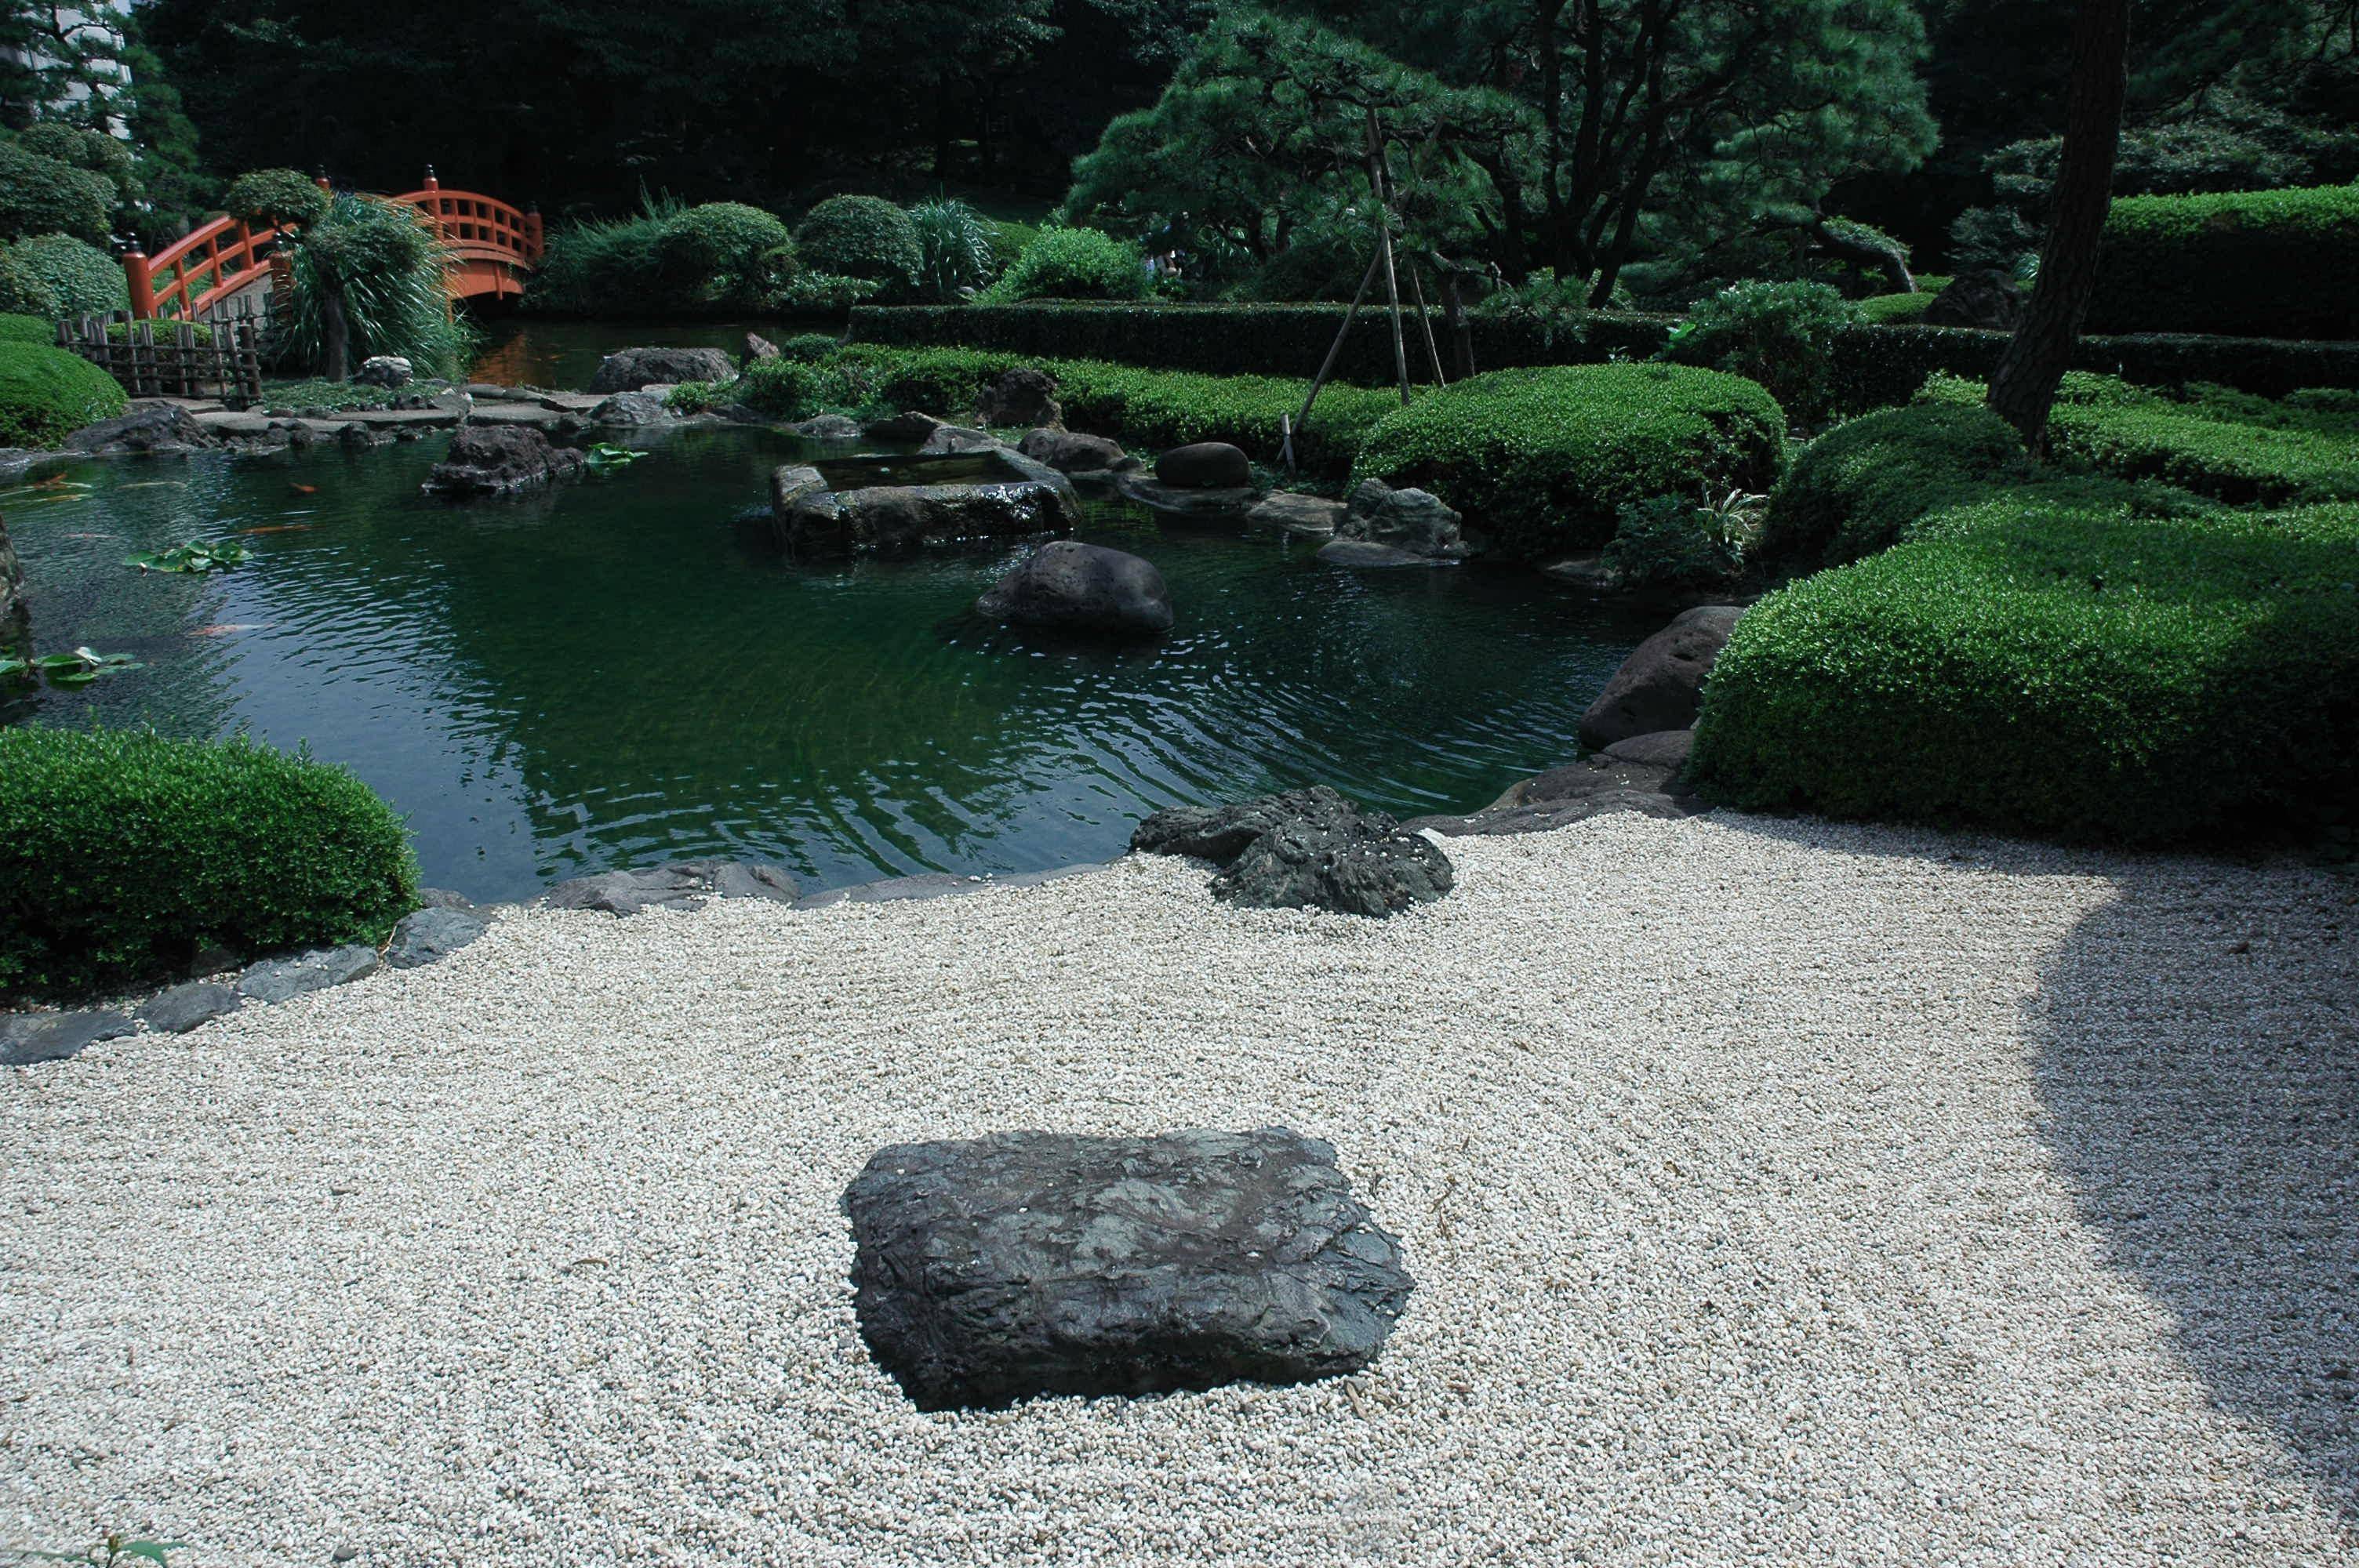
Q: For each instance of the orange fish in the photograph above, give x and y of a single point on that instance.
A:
(224, 628)
(304, 489)
(279, 528)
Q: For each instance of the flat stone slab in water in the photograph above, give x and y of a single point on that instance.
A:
(1030, 1263)
(680, 884)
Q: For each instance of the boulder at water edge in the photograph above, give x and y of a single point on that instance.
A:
(1069, 586)
(1027, 1263)
(628, 370)
(1020, 397)
(1069, 451)
(679, 884)
(1307, 848)
(1414, 522)
(1205, 465)
(1660, 686)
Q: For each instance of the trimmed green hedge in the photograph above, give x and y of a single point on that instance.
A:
(1859, 488)
(2045, 660)
(28, 329)
(124, 853)
(85, 279)
(2275, 262)
(1543, 461)
(1901, 309)
(1874, 366)
(47, 394)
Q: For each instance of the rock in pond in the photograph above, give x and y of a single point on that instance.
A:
(1070, 452)
(1204, 465)
(633, 410)
(278, 980)
(628, 370)
(1412, 521)
(1022, 396)
(680, 884)
(907, 425)
(38, 1037)
(500, 460)
(431, 935)
(1663, 749)
(181, 1009)
(826, 427)
(1023, 1264)
(1660, 686)
(16, 613)
(382, 370)
(994, 493)
(159, 429)
(1312, 516)
(1069, 586)
(1309, 848)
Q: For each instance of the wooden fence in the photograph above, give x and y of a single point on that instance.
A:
(220, 357)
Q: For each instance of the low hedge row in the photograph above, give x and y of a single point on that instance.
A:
(123, 854)
(1542, 460)
(2279, 261)
(2046, 659)
(1862, 487)
(1876, 365)
(47, 394)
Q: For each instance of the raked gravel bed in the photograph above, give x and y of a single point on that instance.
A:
(1776, 1193)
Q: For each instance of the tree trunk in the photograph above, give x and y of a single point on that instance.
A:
(334, 334)
(2023, 390)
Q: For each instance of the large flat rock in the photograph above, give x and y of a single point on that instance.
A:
(1029, 1263)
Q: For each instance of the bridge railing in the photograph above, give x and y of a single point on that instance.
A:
(188, 278)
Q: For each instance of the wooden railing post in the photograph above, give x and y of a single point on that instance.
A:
(142, 281)
(535, 240)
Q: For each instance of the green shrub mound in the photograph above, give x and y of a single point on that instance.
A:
(1898, 309)
(1859, 488)
(2045, 660)
(725, 252)
(2274, 263)
(47, 394)
(41, 195)
(1071, 263)
(14, 328)
(266, 197)
(124, 853)
(166, 331)
(24, 295)
(1783, 335)
(85, 279)
(860, 236)
(1543, 461)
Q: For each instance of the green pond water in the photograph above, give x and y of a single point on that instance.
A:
(622, 671)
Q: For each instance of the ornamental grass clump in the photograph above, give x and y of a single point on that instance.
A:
(368, 278)
(123, 854)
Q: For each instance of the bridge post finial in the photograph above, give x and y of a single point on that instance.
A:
(321, 178)
(431, 183)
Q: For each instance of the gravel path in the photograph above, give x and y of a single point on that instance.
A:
(1778, 1193)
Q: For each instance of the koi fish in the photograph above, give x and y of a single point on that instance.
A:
(304, 489)
(277, 528)
(225, 628)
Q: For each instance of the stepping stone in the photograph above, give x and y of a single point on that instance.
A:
(54, 1036)
(1030, 1263)
(183, 1008)
(281, 980)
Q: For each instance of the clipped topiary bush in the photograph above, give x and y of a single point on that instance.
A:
(1859, 488)
(2266, 264)
(85, 279)
(860, 236)
(724, 250)
(24, 295)
(266, 197)
(167, 331)
(46, 195)
(14, 328)
(1071, 263)
(123, 853)
(47, 394)
(1543, 461)
(2045, 659)
(1783, 335)
(1901, 309)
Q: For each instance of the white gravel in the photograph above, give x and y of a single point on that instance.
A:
(1778, 1193)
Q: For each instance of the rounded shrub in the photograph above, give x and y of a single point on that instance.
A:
(24, 294)
(265, 196)
(47, 394)
(16, 328)
(1543, 460)
(1782, 335)
(124, 853)
(85, 279)
(1071, 263)
(860, 236)
(724, 250)
(2046, 659)
(47, 196)
(1859, 488)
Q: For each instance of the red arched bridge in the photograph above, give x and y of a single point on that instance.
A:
(492, 247)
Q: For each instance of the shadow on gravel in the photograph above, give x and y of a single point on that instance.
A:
(2198, 1058)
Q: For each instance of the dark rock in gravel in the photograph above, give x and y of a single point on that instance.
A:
(278, 980)
(1070, 451)
(1575, 793)
(1989, 300)
(54, 1036)
(827, 428)
(680, 884)
(1313, 517)
(633, 410)
(181, 1009)
(1069, 586)
(500, 460)
(1032, 1263)
(628, 370)
(1204, 465)
(161, 429)
(1415, 521)
(428, 935)
(443, 898)
(1660, 687)
(1663, 749)
(1309, 848)
(1023, 396)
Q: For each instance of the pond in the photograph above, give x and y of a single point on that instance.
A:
(623, 671)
